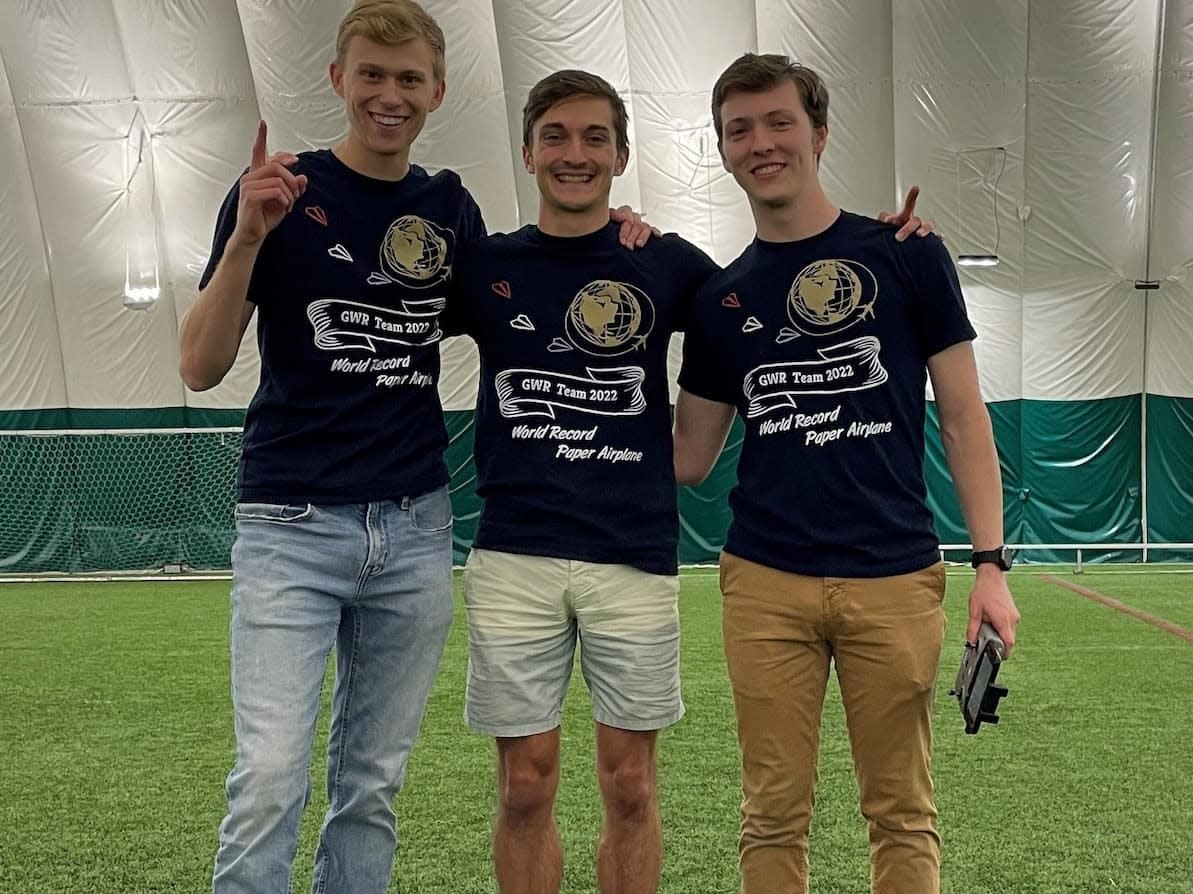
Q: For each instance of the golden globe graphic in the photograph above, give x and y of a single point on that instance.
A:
(830, 295)
(608, 318)
(414, 252)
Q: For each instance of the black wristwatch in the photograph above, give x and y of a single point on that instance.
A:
(1001, 557)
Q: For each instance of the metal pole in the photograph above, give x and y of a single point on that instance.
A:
(1161, 18)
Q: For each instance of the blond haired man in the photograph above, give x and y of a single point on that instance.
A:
(343, 529)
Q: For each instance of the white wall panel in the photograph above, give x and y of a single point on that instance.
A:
(548, 35)
(458, 377)
(469, 132)
(675, 56)
(290, 46)
(76, 110)
(31, 375)
(112, 357)
(1088, 135)
(1170, 310)
(62, 52)
(849, 45)
(190, 71)
(184, 50)
(950, 61)
(1089, 40)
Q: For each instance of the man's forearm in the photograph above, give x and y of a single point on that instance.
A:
(701, 427)
(694, 459)
(212, 328)
(973, 463)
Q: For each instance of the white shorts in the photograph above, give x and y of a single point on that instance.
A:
(525, 615)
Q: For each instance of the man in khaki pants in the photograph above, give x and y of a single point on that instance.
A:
(822, 335)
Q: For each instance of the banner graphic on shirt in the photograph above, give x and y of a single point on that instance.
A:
(604, 392)
(850, 366)
(343, 324)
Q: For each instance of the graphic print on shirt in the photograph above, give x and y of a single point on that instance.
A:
(604, 319)
(413, 255)
(414, 252)
(827, 297)
(831, 295)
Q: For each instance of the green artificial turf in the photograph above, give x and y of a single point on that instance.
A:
(115, 731)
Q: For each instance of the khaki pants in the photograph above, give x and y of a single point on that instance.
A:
(884, 636)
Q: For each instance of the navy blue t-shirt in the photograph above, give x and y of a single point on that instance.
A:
(822, 346)
(573, 421)
(348, 290)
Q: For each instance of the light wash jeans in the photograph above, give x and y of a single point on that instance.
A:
(374, 581)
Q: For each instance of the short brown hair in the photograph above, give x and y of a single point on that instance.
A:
(565, 84)
(390, 23)
(755, 73)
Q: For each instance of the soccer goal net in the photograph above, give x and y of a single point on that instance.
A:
(82, 501)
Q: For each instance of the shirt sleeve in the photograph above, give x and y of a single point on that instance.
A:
(695, 269)
(456, 317)
(472, 223)
(704, 371)
(936, 303)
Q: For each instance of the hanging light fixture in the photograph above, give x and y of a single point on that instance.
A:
(983, 259)
(141, 286)
(970, 260)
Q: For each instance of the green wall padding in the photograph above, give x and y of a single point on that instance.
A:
(1170, 475)
(1005, 417)
(1071, 474)
(163, 417)
(704, 510)
(1082, 476)
(466, 505)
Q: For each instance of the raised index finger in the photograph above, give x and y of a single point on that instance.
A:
(909, 202)
(260, 154)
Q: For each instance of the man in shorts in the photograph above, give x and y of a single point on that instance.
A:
(578, 536)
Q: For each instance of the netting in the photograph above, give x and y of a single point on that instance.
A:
(104, 500)
(78, 501)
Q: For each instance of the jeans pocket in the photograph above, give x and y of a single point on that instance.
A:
(431, 512)
(284, 513)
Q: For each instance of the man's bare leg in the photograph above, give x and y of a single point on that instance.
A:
(527, 852)
(630, 853)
